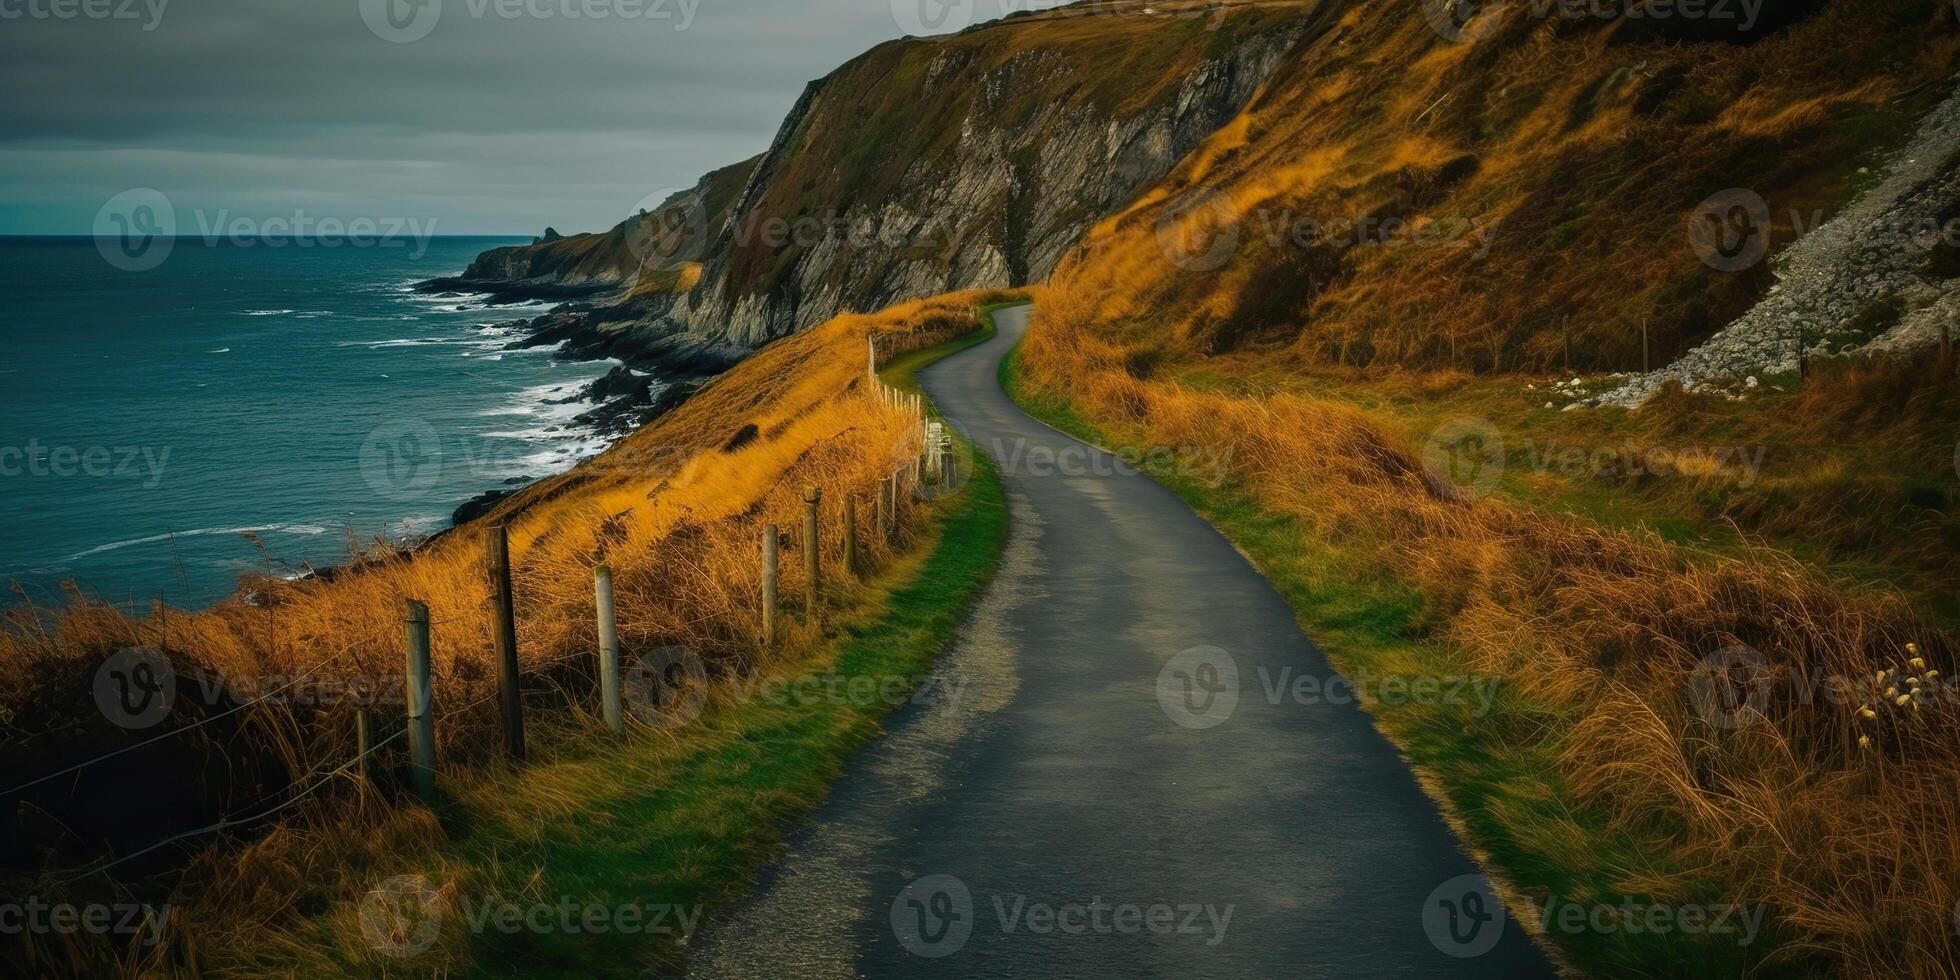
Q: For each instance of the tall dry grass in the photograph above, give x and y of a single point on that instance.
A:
(676, 509)
(1854, 847)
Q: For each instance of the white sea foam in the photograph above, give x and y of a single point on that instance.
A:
(308, 529)
(402, 342)
(264, 312)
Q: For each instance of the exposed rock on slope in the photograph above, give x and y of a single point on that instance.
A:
(562, 266)
(1885, 266)
(1022, 146)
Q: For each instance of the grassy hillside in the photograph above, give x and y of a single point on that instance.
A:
(1517, 200)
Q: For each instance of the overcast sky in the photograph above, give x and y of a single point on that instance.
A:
(485, 116)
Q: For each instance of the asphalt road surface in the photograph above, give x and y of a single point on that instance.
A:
(1133, 764)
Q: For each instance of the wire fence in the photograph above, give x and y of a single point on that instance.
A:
(915, 467)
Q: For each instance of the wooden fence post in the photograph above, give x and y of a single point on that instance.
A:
(421, 719)
(363, 744)
(602, 588)
(850, 535)
(880, 515)
(812, 567)
(504, 617)
(769, 536)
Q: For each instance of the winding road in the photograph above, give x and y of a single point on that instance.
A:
(1133, 764)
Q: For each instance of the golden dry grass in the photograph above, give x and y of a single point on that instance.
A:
(1578, 152)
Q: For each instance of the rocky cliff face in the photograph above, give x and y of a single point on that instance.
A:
(1008, 183)
(923, 166)
(649, 244)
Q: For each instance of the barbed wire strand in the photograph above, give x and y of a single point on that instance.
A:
(112, 753)
(230, 821)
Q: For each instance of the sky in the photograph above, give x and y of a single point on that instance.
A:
(467, 116)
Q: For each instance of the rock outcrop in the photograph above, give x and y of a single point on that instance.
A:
(1881, 276)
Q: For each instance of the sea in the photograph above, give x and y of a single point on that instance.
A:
(247, 406)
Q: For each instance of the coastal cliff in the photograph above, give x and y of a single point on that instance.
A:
(926, 165)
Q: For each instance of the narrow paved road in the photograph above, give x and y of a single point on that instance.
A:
(1114, 773)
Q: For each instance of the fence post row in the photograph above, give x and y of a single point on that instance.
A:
(421, 720)
(769, 536)
(602, 588)
(812, 566)
(503, 612)
(420, 716)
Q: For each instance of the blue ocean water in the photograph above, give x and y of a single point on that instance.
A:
(150, 421)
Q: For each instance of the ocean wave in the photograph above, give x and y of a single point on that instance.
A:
(402, 342)
(531, 402)
(307, 529)
(221, 350)
(525, 308)
(264, 312)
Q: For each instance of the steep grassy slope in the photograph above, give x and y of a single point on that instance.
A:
(1517, 199)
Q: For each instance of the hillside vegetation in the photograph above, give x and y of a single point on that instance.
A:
(1723, 679)
(1518, 200)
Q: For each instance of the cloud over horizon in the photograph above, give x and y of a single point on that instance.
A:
(504, 117)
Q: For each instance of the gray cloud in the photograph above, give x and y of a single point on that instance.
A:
(489, 124)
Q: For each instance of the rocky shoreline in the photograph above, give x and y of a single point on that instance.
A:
(655, 374)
